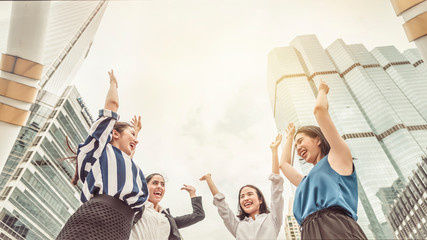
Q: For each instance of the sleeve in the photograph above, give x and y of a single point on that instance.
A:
(99, 135)
(190, 219)
(277, 200)
(230, 220)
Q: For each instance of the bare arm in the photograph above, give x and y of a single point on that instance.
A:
(210, 183)
(339, 157)
(285, 161)
(112, 99)
(275, 156)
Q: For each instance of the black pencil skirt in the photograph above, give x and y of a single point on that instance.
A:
(102, 217)
(331, 223)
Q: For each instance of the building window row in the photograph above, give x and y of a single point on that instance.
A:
(322, 73)
(358, 135)
(389, 131)
(395, 63)
(418, 63)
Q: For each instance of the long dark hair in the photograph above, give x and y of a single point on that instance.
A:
(313, 132)
(262, 207)
(118, 126)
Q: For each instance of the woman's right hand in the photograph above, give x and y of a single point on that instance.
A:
(323, 86)
(113, 79)
(290, 131)
(205, 177)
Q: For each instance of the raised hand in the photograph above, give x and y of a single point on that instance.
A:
(205, 177)
(290, 131)
(323, 86)
(277, 142)
(212, 187)
(190, 189)
(136, 123)
(113, 79)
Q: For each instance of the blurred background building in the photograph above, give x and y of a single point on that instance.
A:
(377, 101)
(408, 213)
(36, 196)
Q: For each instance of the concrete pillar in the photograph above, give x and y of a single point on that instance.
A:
(414, 13)
(21, 69)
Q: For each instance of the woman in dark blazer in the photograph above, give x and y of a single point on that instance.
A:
(157, 222)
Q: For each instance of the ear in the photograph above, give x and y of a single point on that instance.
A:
(318, 141)
(116, 135)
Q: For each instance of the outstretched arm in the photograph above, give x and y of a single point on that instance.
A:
(112, 99)
(224, 210)
(275, 156)
(339, 156)
(210, 183)
(198, 212)
(285, 161)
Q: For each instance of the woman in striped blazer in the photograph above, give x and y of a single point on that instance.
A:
(114, 187)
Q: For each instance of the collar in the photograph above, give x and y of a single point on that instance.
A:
(149, 204)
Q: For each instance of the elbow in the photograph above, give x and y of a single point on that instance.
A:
(201, 216)
(319, 109)
(112, 105)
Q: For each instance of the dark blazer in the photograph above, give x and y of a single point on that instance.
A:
(185, 220)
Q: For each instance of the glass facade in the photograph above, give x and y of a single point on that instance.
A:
(408, 214)
(36, 197)
(70, 31)
(39, 198)
(375, 103)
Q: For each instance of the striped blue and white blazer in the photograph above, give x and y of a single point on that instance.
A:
(105, 169)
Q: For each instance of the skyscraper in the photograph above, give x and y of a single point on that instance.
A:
(36, 196)
(70, 32)
(408, 214)
(376, 101)
(39, 198)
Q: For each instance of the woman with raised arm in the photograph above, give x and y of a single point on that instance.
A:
(254, 219)
(157, 222)
(114, 188)
(325, 202)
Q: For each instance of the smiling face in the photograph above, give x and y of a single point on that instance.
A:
(308, 148)
(249, 201)
(156, 187)
(124, 139)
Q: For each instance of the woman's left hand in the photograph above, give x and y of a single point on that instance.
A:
(136, 122)
(190, 189)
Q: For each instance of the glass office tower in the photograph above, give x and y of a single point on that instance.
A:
(39, 198)
(375, 101)
(71, 28)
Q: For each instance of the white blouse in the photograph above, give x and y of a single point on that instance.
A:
(265, 225)
(153, 225)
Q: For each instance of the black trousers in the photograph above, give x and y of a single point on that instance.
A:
(102, 217)
(331, 223)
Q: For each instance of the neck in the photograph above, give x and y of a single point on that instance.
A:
(252, 215)
(319, 157)
(156, 206)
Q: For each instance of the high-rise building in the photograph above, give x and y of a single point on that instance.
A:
(414, 13)
(70, 31)
(39, 198)
(36, 196)
(292, 228)
(377, 101)
(408, 214)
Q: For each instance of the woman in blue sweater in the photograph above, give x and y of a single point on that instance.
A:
(325, 202)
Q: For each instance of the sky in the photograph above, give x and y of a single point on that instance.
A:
(196, 71)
